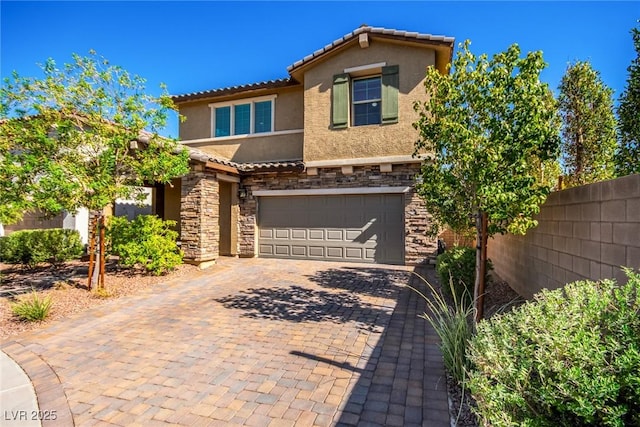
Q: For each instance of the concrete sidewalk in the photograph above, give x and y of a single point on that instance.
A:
(18, 403)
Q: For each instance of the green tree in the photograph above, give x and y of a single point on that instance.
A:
(81, 136)
(628, 153)
(488, 125)
(588, 125)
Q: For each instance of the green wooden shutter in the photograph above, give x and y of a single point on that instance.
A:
(390, 84)
(340, 101)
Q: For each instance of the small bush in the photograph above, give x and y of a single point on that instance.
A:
(32, 247)
(32, 308)
(146, 241)
(454, 325)
(458, 267)
(570, 357)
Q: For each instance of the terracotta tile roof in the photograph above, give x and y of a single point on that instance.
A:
(270, 84)
(397, 34)
(202, 157)
(290, 81)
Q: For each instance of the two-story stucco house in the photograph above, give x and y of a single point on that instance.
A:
(318, 165)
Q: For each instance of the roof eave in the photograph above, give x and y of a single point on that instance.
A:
(441, 44)
(236, 90)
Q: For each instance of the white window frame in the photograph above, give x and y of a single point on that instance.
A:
(353, 102)
(232, 104)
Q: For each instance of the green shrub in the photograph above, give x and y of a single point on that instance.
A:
(454, 325)
(32, 308)
(13, 248)
(35, 246)
(458, 267)
(146, 241)
(570, 357)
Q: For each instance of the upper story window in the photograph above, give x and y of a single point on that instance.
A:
(366, 95)
(243, 117)
(367, 101)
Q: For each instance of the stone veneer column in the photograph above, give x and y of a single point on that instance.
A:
(418, 246)
(247, 226)
(199, 214)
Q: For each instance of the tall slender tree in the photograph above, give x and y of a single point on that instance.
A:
(81, 136)
(588, 126)
(628, 152)
(490, 125)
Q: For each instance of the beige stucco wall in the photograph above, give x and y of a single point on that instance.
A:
(172, 201)
(255, 148)
(321, 142)
(288, 113)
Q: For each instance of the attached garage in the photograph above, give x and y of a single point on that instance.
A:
(334, 227)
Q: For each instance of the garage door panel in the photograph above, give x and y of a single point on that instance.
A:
(359, 228)
(299, 251)
(299, 234)
(282, 250)
(335, 252)
(351, 235)
(266, 233)
(316, 251)
(316, 234)
(354, 253)
(282, 234)
(335, 235)
(266, 249)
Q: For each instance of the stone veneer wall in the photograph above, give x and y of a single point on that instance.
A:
(585, 232)
(418, 247)
(199, 216)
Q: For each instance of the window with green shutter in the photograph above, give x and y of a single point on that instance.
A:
(390, 84)
(340, 101)
(366, 100)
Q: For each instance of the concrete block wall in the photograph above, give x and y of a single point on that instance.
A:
(585, 232)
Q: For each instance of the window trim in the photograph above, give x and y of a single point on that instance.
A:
(243, 101)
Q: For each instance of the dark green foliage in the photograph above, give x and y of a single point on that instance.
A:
(488, 125)
(457, 266)
(588, 125)
(35, 246)
(146, 241)
(66, 138)
(570, 357)
(32, 308)
(628, 153)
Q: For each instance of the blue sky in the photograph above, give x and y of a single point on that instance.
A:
(194, 46)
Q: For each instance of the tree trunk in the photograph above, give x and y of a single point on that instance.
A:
(97, 253)
(92, 252)
(578, 180)
(481, 263)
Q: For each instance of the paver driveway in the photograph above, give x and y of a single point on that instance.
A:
(253, 342)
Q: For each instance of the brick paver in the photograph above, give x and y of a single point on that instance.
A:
(251, 342)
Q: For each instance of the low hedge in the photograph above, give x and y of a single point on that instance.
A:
(32, 247)
(570, 357)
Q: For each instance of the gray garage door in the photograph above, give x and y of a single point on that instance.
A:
(358, 228)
